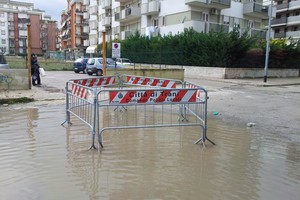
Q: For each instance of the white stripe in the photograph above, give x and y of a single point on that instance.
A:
(188, 95)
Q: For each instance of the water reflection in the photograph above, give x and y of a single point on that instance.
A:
(42, 160)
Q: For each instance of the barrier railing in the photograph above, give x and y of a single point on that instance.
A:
(127, 102)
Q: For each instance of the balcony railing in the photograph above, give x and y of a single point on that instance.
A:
(295, 20)
(150, 8)
(294, 4)
(106, 21)
(93, 10)
(280, 35)
(105, 4)
(279, 21)
(255, 10)
(217, 4)
(293, 34)
(282, 6)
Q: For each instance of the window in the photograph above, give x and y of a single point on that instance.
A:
(155, 22)
(2, 24)
(2, 32)
(3, 41)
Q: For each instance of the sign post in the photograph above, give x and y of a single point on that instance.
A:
(116, 50)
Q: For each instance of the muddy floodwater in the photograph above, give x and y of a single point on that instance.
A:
(42, 160)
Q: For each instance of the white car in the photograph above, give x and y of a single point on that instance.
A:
(123, 61)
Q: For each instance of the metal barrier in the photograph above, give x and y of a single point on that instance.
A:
(126, 102)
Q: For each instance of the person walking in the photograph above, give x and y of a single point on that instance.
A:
(35, 72)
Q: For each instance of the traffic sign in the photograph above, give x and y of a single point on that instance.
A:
(116, 50)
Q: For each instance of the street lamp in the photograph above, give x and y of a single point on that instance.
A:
(268, 41)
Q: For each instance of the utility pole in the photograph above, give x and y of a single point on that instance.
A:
(104, 52)
(268, 41)
(29, 55)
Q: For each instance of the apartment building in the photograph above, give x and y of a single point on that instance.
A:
(287, 21)
(121, 18)
(14, 18)
(72, 33)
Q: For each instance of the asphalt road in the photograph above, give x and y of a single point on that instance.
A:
(275, 109)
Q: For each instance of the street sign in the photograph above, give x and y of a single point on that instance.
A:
(116, 50)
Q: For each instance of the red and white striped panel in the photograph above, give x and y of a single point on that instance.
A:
(152, 96)
(135, 80)
(82, 92)
(194, 86)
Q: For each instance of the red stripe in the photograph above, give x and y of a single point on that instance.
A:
(146, 80)
(112, 95)
(145, 99)
(128, 78)
(100, 80)
(179, 96)
(174, 85)
(154, 83)
(136, 80)
(92, 82)
(107, 80)
(165, 83)
(127, 97)
(193, 98)
(163, 96)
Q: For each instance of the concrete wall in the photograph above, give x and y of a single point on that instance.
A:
(177, 74)
(14, 79)
(230, 73)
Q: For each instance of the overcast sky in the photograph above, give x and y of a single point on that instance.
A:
(51, 7)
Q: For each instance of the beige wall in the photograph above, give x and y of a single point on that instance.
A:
(14, 79)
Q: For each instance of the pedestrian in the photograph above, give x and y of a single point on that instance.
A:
(35, 72)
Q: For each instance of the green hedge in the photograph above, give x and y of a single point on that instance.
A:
(216, 49)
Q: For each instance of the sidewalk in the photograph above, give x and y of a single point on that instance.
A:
(259, 82)
(54, 85)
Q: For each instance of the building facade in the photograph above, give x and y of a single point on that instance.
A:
(72, 33)
(121, 18)
(287, 21)
(14, 18)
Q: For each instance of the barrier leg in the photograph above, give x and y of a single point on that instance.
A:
(93, 141)
(100, 139)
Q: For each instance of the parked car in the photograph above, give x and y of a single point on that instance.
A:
(123, 61)
(95, 65)
(79, 65)
(3, 62)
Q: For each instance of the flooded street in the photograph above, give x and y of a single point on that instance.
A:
(40, 159)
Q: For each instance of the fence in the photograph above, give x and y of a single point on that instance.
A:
(127, 102)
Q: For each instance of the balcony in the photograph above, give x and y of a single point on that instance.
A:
(93, 10)
(129, 14)
(150, 8)
(106, 21)
(258, 33)
(86, 29)
(79, 12)
(93, 25)
(86, 2)
(11, 27)
(86, 43)
(279, 22)
(123, 1)
(294, 5)
(253, 9)
(293, 34)
(280, 35)
(293, 20)
(282, 7)
(86, 15)
(213, 27)
(217, 4)
(105, 4)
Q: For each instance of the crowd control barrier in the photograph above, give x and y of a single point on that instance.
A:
(129, 102)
